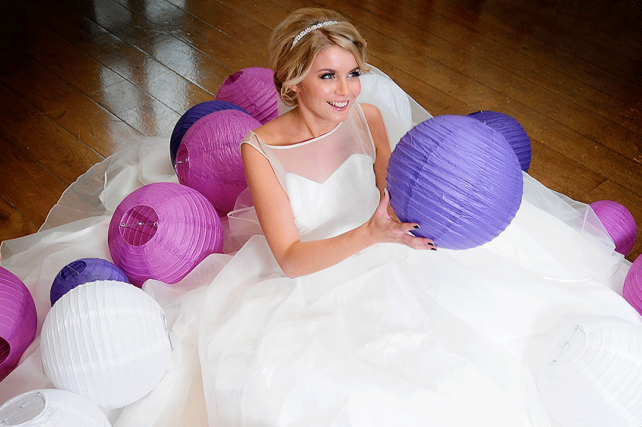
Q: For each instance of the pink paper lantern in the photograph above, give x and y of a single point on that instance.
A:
(209, 157)
(162, 231)
(253, 90)
(18, 321)
(632, 291)
(619, 223)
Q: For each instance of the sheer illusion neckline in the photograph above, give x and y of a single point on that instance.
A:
(298, 144)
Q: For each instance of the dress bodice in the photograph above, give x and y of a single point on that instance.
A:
(329, 180)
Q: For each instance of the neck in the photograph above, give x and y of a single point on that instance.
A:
(309, 125)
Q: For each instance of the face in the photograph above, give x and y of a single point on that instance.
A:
(331, 87)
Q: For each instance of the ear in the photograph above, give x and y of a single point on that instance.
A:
(295, 88)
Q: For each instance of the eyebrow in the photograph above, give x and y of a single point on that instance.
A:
(332, 70)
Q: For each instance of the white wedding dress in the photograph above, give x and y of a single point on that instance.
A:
(390, 336)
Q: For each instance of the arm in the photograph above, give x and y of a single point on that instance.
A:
(298, 258)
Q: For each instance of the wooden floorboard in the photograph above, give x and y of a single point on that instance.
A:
(82, 77)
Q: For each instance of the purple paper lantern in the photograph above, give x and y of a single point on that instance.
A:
(618, 222)
(190, 117)
(82, 271)
(457, 178)
(162, 231)
(632, 290)
(512, 131)
(209, 157)
(18, 321)
(253, 90)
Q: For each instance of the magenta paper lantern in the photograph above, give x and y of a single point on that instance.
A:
(457, 178)
(619, 223)
(632, 290)
(162, 231)
(82, 271)
(253, 90)
(511, 130)
(209, 157)
(18, 321)
(190, 117)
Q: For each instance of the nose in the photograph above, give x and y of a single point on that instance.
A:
(342, 87)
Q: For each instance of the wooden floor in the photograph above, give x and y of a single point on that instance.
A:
(79, 77)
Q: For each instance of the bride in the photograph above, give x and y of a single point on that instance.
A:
(336, 314)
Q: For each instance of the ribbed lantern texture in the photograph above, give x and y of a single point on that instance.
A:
(162, 231)
(190, 117)
(619, 223)
(632, 290)
(51, 408)
(209, 157)
(81, 271)
(592, 375)
(106, 341)
(511, 130)
(253, 90)
(18, 321)
(457, 178)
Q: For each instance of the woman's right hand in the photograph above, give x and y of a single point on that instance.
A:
(383, 228)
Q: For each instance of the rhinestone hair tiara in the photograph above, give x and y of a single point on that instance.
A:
(312, 28)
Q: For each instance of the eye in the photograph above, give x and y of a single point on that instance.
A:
(355, 73)
(327, 76)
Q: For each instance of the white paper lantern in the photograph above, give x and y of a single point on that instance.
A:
(51, 408)
(107, 341)
(592, 375)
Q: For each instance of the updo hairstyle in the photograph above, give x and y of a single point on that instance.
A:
(291, 64)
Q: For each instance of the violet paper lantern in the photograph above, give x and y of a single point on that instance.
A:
(51, 408)
(512, 131)
(592, 374)
(209, 157)
(253, 90)
(162, 231)
(632, 289)
(618, 222)
(18, 321)
(81, 271)
(190, 117)
(457, 178)
(106, 341)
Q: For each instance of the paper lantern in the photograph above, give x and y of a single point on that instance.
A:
(106, 341)
(511, 130)
(190, 117)
(209, 157)
(18, 321)
(51, 408)
(253, 90)
(457, 178)
(81, 271)
(162, 231)
(618, 222)
(592, 375)
(632, 289)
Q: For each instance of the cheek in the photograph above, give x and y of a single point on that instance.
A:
(355, 87)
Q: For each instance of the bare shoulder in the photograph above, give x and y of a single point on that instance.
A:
(275, 132)
(376, 125)
(372, 113)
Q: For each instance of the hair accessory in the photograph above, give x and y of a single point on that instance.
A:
(312, 28)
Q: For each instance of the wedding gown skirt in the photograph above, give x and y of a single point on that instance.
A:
(389, 336)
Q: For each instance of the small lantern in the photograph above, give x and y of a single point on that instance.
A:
(457, 178)
(632, 289)
(209, 157)
(592, 375)
(81, 271)
(618, 222)
(190, 117)
(107, 341)
(162, 231)
(253, 90)
(51, 408)
(18, 321)
(511, 130)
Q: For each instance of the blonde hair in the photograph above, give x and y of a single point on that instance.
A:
(291, 61)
